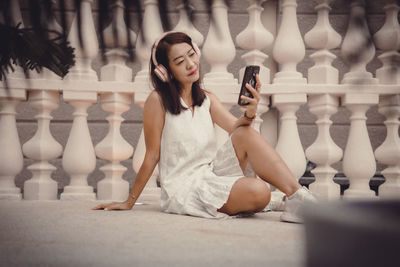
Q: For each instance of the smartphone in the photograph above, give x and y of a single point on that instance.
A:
(250, 78)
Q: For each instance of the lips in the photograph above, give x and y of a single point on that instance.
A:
(193, 72)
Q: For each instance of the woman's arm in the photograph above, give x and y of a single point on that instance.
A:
(223, 118)
(153, 123)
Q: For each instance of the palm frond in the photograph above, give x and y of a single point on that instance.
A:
(23, 47)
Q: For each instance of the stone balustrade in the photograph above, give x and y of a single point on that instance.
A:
(286, 91)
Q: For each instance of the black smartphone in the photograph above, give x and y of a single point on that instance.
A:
(250, 78)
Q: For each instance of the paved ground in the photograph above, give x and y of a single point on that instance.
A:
(68, 233)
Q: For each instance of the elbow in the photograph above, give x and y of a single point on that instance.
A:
(152, 157)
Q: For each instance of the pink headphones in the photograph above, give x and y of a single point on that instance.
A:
(160, 70)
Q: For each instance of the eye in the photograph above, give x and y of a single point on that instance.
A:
(192, 54)
(179, 62)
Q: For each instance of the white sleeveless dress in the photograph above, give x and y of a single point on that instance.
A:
(195, 177)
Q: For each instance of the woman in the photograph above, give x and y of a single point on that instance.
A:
(196, 178)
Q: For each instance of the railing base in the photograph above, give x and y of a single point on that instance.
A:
(11, 195)
(80, 193)
(80, 197)
(340, 179)
(40, 190)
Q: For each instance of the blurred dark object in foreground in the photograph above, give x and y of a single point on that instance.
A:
(29, 50)
(359, 233)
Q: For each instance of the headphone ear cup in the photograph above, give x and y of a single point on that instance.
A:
(161, 73)
(196, 48)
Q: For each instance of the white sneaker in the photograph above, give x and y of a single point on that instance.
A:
(277, 202)
(295, 203)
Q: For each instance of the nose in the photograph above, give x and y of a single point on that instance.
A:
(190, 63)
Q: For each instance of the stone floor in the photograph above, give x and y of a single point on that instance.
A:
(69, 233)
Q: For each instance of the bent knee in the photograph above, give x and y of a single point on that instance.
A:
(261, 195)
(247, 195)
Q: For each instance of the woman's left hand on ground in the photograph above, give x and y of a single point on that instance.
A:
(251, 108)
(114, 206)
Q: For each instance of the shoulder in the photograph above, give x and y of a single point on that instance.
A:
(211, 96)
(154, 103)
(154, 100)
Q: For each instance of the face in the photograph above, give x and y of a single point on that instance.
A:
(184, 63)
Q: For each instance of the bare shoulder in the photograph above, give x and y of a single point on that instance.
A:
(213, 98)
(153, 107)
(154, 103)
(154, 100)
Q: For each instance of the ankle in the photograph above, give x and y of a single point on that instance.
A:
(293, 190)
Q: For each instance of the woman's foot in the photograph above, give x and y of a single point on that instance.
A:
(277, 202)
(295, 203)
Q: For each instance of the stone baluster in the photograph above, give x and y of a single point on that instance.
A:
(11, 159)
(219, 50)
(82, 70)
(42, 147)
(255, 38)
(289, 48)
(357, 51)
(288, 51)
(151, 30)
(322, 37)
(323, 152)
(114, 147)
(79, 156)
(263, 107)
(357, 47)
(388, 153)
(358, 151)
(185, 25)
(115, 39)
(387, 38)
(289, 145)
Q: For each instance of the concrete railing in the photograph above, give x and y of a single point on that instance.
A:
(321, 90)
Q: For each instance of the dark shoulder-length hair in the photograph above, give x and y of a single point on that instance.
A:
(170, 91)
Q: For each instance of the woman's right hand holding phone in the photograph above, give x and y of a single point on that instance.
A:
(251, 108)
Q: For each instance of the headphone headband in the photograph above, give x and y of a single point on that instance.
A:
(153, 52)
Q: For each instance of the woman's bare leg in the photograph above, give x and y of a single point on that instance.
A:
(251, 194)
(247, 195)
(251, 147)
